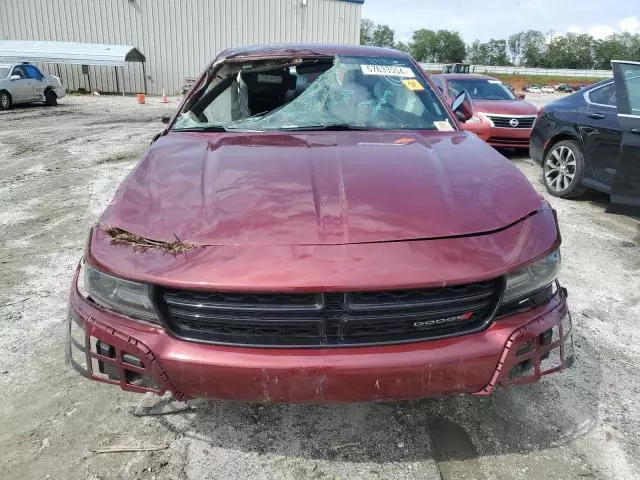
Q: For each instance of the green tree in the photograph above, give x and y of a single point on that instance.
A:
(424, 45)
(497, 52)
(404, 47)
(477, 53)
(533, 48)
(615, 47)
(366, 31)
(383, 36)
(516, 47)
(449, 46)
(570, 51)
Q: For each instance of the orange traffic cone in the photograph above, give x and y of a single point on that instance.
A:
(164, 97)
(140, 97)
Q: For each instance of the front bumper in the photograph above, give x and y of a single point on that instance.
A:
(139, 357)
(500, 137)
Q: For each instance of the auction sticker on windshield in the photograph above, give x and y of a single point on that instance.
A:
(387, 71)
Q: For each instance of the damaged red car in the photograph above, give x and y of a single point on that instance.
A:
(314, 225)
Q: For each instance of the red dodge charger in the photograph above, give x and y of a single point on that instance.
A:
(500, 117)
(314, 225)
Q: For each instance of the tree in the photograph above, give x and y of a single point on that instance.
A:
(449, 46)
(383, 36)
(615, 47)
(477, 53)
(424, 44)
(570, 51)
(366, 31)
(494, 52)
(403, 47)
(516, 47)
(533, 48)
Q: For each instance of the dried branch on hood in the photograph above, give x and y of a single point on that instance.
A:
(122, 237)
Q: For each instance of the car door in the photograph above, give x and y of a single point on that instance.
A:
(625, 191)
(36, 81)
(21, 90)
(601, 132)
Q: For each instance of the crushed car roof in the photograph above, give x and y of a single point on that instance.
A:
(305, 49)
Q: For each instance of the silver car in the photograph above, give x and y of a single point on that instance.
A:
(24, 83)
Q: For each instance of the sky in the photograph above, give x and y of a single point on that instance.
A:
(485, 19)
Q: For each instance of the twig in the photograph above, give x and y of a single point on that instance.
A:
(344, 445)
(124, 448)
(628, 363)
(17, 301)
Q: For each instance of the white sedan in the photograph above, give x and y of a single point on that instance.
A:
(24, 83)
(534, 90)
(547, 89)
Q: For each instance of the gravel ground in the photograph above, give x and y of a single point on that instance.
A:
(58, 169)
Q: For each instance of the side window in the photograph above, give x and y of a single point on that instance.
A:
(33, 72)
(18, 70)
(438, 82)
(602, 95)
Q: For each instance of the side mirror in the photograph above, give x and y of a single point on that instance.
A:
(15, 77)
(521, 96)
(165, 119)
(461, 106)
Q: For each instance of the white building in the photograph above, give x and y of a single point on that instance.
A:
(177, 37)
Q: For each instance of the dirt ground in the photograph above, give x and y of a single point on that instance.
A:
(58, 169)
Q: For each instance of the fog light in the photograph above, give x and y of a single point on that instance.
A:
(139, 380)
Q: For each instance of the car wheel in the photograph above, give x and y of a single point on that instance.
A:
(5, 100)
(564, 169)
(50, 98)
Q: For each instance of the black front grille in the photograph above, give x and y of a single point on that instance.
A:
(506, 122)
(515, 142)
(329, 319)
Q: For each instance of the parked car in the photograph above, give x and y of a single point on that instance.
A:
(563, 87)
(547, 89)
(24, 83)
(336, 239)
(590, 140)
(534, 89)
(500, 117)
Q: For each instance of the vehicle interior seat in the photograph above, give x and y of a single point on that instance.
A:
(267, 89)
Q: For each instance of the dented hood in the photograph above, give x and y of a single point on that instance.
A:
(318, 188)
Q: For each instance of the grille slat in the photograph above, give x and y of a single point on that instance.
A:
(329, 319)
(504, 122)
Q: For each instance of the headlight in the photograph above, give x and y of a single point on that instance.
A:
(532, 277)
(474, 119)
(122, 296)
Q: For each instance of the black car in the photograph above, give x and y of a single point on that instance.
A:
(591, 139)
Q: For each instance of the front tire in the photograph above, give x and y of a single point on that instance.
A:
(5, 100)
(564, 169)
(50, 98)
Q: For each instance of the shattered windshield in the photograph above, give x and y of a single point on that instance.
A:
(341, 92)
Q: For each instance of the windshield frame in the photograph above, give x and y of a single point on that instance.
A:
(203, 83)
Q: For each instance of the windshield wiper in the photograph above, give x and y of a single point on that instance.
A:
(210, 128)
(334, 127)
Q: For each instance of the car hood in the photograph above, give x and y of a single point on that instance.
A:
(505, 107)
(320, 188)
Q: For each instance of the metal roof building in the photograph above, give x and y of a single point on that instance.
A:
(178, 38)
